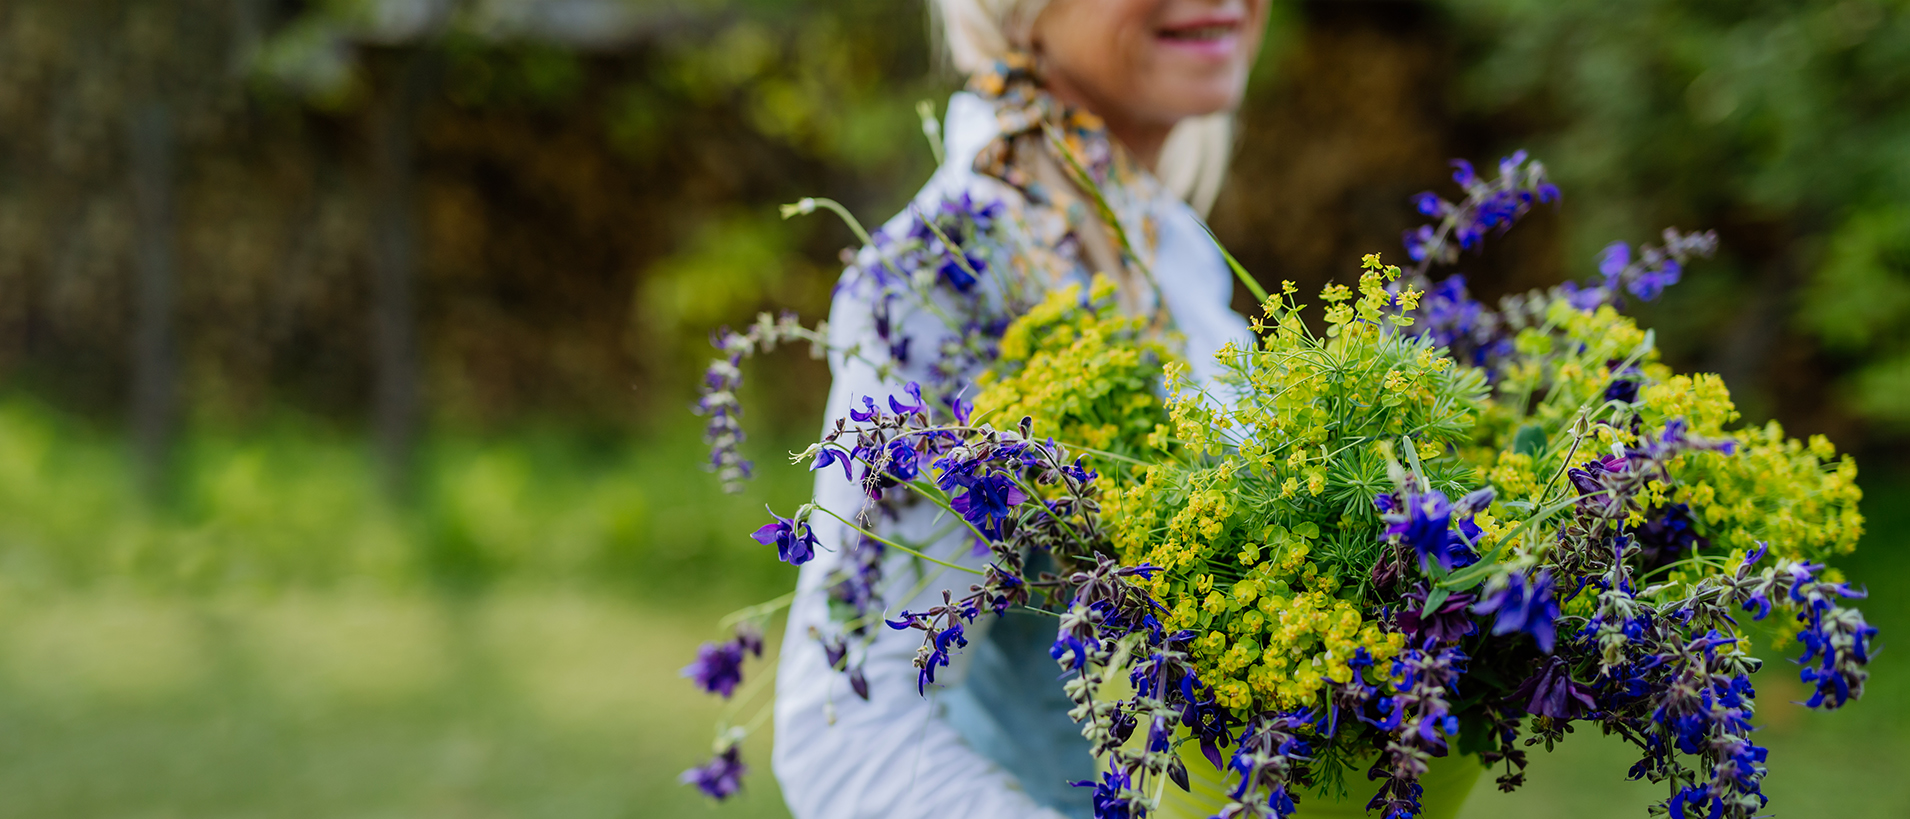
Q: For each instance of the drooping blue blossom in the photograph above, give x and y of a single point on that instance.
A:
(988, 503)
(868, 413)
(902, 464)
(1487, 207)
(1523, 606)
(912, 406)
(1644, 272)
(943, 632)
(1114, 797)
(1446, 623)
(1667, 534)
(1424, 522)
(795, 541)
(957, 272)
(1553, 693)
(1269, 761)
(828, 456)
(1836, 639)
(718, 668)
(1418, 721)
(718, 394)
(721, 777)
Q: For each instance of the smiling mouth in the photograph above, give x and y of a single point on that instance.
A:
(1200, 34)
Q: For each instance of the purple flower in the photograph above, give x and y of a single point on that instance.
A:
(1112, 797)
(1613, 261)
(1424, 522)
(718, 668)
(795, 541)
(909, 408)
(1445, 624)
(958, 276)
(961, 409)
(988, 503)
(938, 646)
(721, 778)
(828, 456)
(1553, 693)
(1836, 639)
(1524, 606)
(1668, 533)
(1463, 173)
(902, 461)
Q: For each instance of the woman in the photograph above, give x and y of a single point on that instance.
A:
(1134, 95)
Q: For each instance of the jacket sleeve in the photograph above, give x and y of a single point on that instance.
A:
(893, 756)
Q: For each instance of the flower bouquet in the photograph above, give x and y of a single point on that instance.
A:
(1417, 533)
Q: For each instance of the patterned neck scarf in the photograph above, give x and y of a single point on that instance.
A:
(1089, 200)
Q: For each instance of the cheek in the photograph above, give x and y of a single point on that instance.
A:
(1105, 46)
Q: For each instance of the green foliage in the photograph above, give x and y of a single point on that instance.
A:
(297, 507)
(1082, 368)
(1262, 519)
(1781, 123)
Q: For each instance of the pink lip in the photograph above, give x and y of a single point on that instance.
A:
(1222, 47)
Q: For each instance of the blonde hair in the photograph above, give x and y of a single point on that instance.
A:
(974, 34)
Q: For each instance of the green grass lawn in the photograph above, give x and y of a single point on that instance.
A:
(116, 705)
(124, 704)
(511, 648)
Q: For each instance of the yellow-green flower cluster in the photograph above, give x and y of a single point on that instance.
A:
(1799, 497)
(1084, 371)
(1259, 507)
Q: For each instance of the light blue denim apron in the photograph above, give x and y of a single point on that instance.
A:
(1012, 710)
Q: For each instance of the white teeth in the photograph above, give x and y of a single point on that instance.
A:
(1201, 33)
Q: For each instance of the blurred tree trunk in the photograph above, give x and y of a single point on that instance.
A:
(154, 354)
(394, 260)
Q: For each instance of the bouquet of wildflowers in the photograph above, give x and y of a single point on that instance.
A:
(1418, 527)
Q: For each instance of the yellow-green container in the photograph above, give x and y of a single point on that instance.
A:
(1447, 783)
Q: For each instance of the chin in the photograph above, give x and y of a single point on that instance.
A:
(1199, 99)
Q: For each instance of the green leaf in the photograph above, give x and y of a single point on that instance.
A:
(1530, 440)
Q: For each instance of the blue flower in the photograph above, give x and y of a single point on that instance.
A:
(795, 541)
(1112, 799)
(961, 409)
(830, 455)
(1524, 606)
(989, 501)
(1446, 624)
(1553, 693)
(1417, 240)
(1668, 533)
(1424, 522)
(902, 461)
(901, 408)
(718, 668)
(1696, 802)
(1651, 283)
(721, 778)
(1613, 261)
(1463, 173)
(957, 275)
(1073, 647)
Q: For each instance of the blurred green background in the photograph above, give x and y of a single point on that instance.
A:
(346, 345)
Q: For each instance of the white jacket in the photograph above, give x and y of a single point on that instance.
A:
(896, 756)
